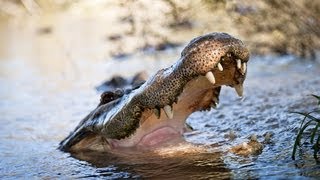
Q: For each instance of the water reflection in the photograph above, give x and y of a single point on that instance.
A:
(178, 162)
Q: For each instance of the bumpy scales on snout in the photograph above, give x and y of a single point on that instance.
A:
(216, 59)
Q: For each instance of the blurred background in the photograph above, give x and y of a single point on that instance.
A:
(54, 53)
(101, 28)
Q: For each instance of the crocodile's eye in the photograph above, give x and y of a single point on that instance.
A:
(137, 114)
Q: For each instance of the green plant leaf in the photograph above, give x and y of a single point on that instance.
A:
(308, 116)
(318, 97)
(314, 132)
(298, 138)
(305, 117)
(316, 149)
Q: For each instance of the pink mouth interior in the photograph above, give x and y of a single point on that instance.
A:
(159, 136)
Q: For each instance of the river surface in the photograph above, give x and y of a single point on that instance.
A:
(43, 96)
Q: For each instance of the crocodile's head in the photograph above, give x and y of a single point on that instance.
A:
(155, 112)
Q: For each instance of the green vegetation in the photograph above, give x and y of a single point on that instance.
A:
(310, 121)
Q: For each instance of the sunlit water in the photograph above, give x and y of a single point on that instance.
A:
(43, 97)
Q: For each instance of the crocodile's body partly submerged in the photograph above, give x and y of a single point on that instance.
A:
(155, 112)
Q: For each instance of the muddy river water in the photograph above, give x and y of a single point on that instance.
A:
(44, 96)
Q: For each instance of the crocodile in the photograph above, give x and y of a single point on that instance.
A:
(154, 113)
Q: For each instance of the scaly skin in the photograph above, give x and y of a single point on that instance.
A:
(120, 118)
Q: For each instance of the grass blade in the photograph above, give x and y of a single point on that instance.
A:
(314, 132)
(316, 149)
(318, 97)
(298, 138)
(308, 116)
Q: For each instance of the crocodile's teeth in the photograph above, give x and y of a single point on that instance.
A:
(238, 63)
(157, 112)
(210, 77)
(244, 67)
(239, 89)
(213, 105)
(168, 110)
(216, 100)
(220, 67)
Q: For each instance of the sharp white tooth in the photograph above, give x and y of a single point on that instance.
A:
(168, 110)
(213, 105)
(239, 89)
(210, 77)
(157, 112)
(215, 99)
(238, 63)
(220, 67)
(244, 67)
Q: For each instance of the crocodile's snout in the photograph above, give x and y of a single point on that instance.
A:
(192, 83)
(201, 57)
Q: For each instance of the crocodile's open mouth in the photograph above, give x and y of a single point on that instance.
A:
(155, 112)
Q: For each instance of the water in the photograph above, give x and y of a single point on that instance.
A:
(45, 90)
